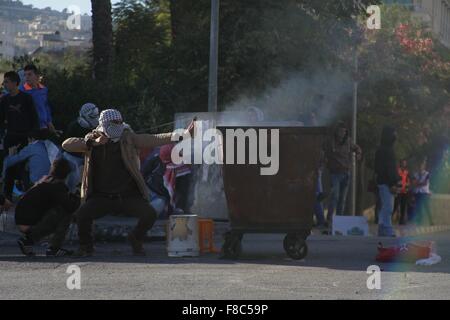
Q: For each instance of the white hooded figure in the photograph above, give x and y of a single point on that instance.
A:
(87, 119)
(88, 116)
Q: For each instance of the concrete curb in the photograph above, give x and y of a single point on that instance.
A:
(409, 231)
(116, 228)
(105, 229)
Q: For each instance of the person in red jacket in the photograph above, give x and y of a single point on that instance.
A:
(401, 200)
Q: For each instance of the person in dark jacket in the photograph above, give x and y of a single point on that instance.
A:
(46, 209)
(86, 121)
(17, 113)
(338, 156)
(388, 180)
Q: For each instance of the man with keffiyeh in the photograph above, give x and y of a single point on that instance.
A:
(112, 182)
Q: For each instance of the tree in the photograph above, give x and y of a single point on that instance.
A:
(405, 85)
(102, 36)
(260, 42)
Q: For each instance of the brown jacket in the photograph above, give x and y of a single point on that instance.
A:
(338, 156)
(130, 144)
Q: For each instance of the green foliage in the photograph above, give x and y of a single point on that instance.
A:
(161, 57)
(161, 54)
(4, 66)
(397, 90)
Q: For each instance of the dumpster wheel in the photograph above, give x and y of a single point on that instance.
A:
(232, 247)
(295, 246)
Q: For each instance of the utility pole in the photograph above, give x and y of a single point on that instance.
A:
(214, 56)
(354, 130)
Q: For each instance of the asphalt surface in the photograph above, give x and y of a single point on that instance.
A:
(336, 268)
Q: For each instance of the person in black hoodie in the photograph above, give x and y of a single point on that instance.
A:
(388, 180)
(18, 114)
(46, 209)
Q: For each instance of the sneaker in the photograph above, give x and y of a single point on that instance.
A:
(136, 245)
(83, 252)
(60, 252)
(26, 246)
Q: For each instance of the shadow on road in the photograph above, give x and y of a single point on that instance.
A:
(355, 254)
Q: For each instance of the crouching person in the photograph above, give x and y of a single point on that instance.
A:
(47, 209)
(112, 182)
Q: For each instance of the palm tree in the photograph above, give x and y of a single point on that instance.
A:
(102, 38)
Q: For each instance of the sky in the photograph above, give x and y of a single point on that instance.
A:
(84, 5)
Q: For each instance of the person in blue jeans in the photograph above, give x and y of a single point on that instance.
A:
(318, 207)
(422, 194)
(338, 156)
(388, 180)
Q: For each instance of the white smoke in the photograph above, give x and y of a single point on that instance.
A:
(299, 95)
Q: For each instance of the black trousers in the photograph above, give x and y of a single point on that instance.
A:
(12, 140)
(98, 206)
(401, 206)
(16, 172)
(56, 222)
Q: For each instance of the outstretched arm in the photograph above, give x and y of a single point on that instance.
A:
(143, 141)
(22, 156)
(75, 145)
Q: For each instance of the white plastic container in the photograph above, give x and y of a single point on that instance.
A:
(182, 236)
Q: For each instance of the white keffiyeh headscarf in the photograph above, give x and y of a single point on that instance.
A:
(88, 116)
(111, 124)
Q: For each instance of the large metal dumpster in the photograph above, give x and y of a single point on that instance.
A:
(282, 203)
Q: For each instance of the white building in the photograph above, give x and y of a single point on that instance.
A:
(86, 23)
(7, 34)
(437, 13)
(53, 42)
(26, 45)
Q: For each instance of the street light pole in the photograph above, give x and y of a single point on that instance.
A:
(213, 56)
(354, 130)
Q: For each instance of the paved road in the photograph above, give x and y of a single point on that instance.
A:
(334, 269)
